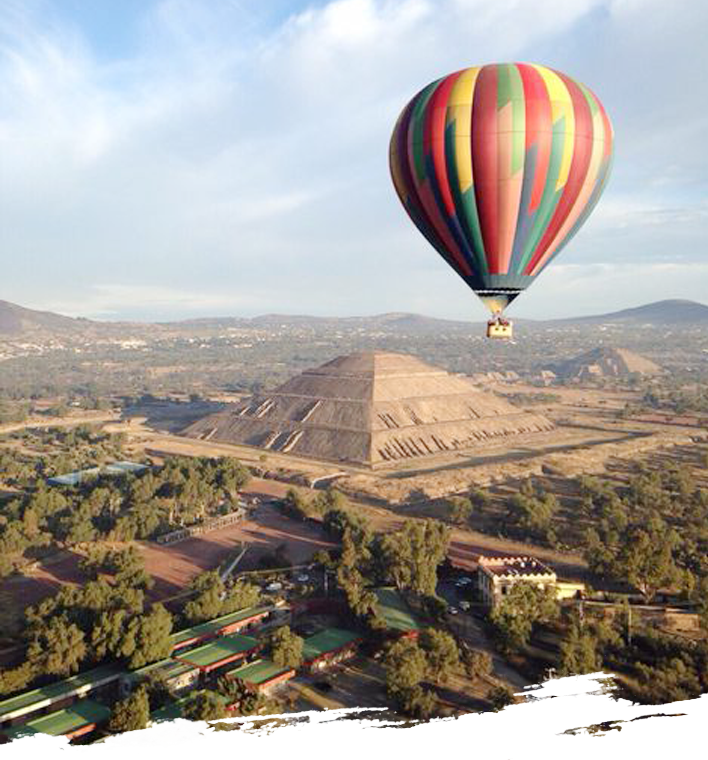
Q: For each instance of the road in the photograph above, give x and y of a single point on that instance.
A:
(469, 629)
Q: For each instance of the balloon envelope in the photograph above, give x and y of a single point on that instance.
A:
(499, 166)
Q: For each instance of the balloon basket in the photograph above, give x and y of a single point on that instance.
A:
(500, 328)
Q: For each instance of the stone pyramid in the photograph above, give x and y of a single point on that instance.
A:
(370, 409)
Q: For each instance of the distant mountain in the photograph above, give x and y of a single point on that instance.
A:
(392, 322)
(606, 362)
(16, 320)
(668, 312)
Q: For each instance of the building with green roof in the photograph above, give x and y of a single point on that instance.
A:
(261, 675)
(72, 722)
(219, 652)
(176, 675)
(328, 647)
(234, 621)
(395, 612)
(79, 685)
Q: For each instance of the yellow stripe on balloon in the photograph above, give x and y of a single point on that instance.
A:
(459, 110)
(561, 108)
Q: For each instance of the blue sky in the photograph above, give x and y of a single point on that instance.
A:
(188, 158)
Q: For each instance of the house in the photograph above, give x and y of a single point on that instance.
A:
(177, 676)
(29, 704)
(496, 575)
(219, 652)
(393, 609)
(75, 721)
(328, 647)
(261, 676)
(241, 620)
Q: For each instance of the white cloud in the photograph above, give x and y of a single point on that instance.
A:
(226, 154)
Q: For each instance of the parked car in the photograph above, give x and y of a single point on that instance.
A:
(303, 578)
(465, 605)
(452, 610)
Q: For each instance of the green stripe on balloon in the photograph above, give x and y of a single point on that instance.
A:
(550, 197)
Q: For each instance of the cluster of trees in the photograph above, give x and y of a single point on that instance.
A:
(183, 492)
(13, 411)
(677, 400)
(286, 647)
(409, 663)
(407, 558)
(212, 598)
(84, 625)
(652, 533)
(524, 606)
(532, 510)
(653, 667)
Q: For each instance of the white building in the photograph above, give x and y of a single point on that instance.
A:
(496, 575)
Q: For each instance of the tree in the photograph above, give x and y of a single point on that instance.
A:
(647, 561)
(579, 651)
(418, 702)
(56, 647)
(500, 697)
(131, 713)
(152, 637)
(204, 705)
(405, 665)
(241, 595)
(477, 664)
(286, 648)
(515, 615)
(459, 509)
(441, 653)
(411, 555)
(206, 605)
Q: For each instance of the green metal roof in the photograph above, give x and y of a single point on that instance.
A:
(67, 721)
(219, 649)
(258, 672)
(393, 609)
(214, 626)
(326, 641)
(47, 695)
(168, 668)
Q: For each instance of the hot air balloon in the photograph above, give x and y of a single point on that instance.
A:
(499, 166)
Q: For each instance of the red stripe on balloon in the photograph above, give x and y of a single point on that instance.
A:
(579, 164)
(431, 211)
(538, 128)
(435, 137)
(484, 161)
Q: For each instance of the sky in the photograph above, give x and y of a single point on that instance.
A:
(180, 158)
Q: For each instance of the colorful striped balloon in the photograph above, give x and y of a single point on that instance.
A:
(499, 166)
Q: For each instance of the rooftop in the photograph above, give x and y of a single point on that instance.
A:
(24, 703)
(168, 668)
(212, 627)
(328, 640)
(393, 609)
(514, 566)
(258, 672)
(63, 722)
(219, 650)
(79, 476)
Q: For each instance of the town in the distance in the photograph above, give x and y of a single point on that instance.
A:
(253, 517)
